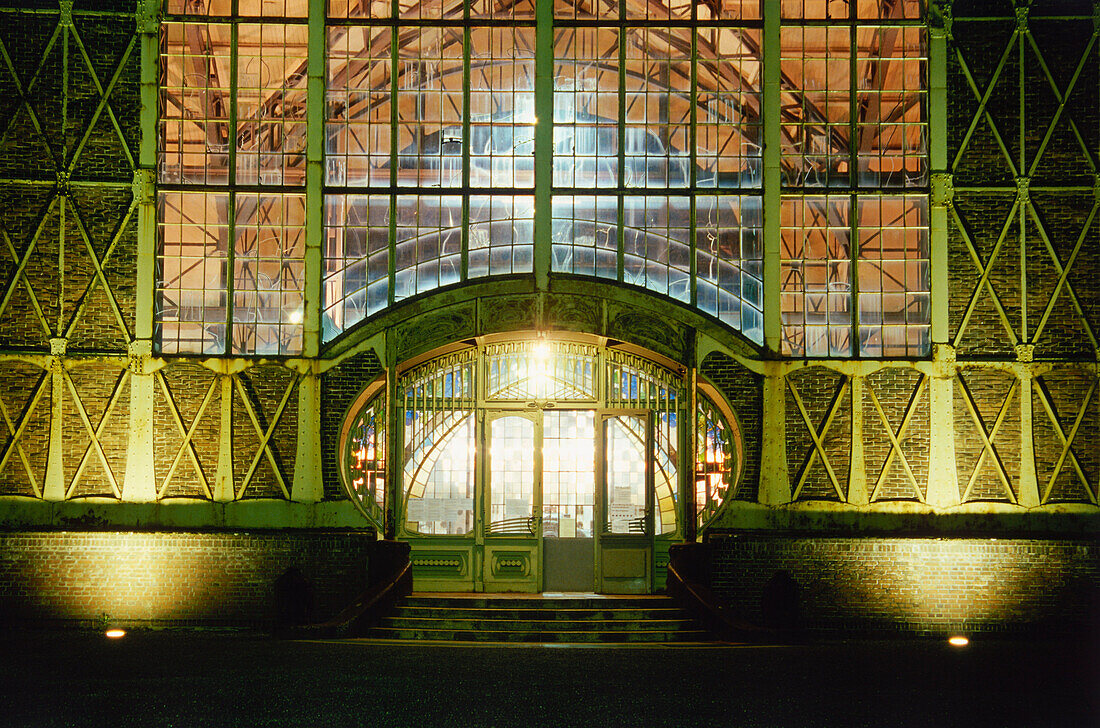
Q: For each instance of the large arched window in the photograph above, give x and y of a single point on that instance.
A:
(577, 410)
(650, 125)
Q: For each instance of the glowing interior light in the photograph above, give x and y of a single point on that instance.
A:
(958, 641)
(115, 633)
(295, 316)
(541, 350)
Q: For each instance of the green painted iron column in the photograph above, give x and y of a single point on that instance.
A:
(544, 140)
(772, 180)
(308, 485)
(139, 483)
(943, 486)
(774, 486)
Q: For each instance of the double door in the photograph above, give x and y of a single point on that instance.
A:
(565, 501)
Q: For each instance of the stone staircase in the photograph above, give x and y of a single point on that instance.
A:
(539, 618)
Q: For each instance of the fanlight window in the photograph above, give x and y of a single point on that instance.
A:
(653, 127)
(560, 404)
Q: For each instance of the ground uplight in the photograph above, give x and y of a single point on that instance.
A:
(958, 641)
(115, 633)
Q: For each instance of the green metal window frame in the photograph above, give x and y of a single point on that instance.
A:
(766, 328)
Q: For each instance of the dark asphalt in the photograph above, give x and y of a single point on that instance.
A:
(205, 679)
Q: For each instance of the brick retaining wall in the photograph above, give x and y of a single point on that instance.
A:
(212, 579)
(918, 585)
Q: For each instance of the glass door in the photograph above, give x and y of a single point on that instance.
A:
(625, 505)
(569, 500)
(510, 543)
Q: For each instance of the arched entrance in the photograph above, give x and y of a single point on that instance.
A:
(537, 464)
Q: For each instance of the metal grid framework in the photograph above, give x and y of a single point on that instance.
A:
(232, 126)
(430, 124)
(441, 399)
(1012, 388)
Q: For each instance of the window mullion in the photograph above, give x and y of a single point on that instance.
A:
(544, 141)
(231, 204)
(314, 222)
(853, 181)
(394, 120)
(464, 255)
(772, 199)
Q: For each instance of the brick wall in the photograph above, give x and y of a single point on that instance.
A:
(173, 579)
(744, 390)
(339, 387)
(917, 585)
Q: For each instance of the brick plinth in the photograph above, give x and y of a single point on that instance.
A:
(174, 579)
(915, 585)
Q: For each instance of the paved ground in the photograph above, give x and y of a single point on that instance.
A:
(204, 679)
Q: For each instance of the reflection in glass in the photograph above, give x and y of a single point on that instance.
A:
(625, 463)
(439, 472)
(511, 474)
(568, 473)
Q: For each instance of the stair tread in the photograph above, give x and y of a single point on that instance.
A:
(539, 618)
(542, 625)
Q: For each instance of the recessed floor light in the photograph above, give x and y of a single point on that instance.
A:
(958, 641)
(115, 633)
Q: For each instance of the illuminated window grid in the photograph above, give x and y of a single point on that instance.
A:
(428, 247)
(817, 9)
(665, 474)
(728, 131)
(271, 104)
(891, 122)
(213, 8)
(585, 234)
(657, 244)
(511, 468)
(625, 463)
(361, 9)
(502, 107)
(587, 10)
(632, 382)
(358, 99)
(501, 235)
(429, 106)
(840, 9)
(728, 10)
(193, 235)
(815, 100)
(440, 468)
(272, 8)
(586, 107)
(729, 261)
(712, 461)
(496, 10)
(194, 103)
(657, 108)
(357, 255)
(366, 456)
(541, 370)
(268, 273)
(429, 9)
(894, 276)
(816, 276)
(568, 473)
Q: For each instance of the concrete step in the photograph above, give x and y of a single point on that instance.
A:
(549, 625)
(536, 601)
(588, 619)
(537, 613)
(556, 636)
